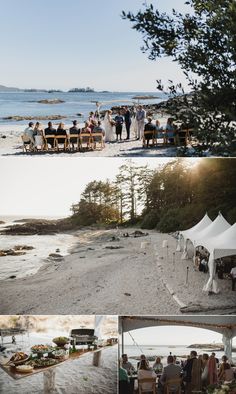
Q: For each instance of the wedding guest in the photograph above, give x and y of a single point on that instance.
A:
(171, 371)
(99, 129)
(127, 116)
(38, 135)
(61, 131)
(140, 118)
(145, 372)
(233, 277)
(212, 370)
(29, 133)
(126, 364)
(119, 120)
(193, 372)
(124, 387)
(171, 130)
(225, 371)
(142, 357)
(205, 375)
(158, 366)
(151, 128)
(50, 131)
(74, 130)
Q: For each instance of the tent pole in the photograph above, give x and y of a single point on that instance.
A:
(122, 338)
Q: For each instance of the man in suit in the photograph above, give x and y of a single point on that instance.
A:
(170, 372)
(127, 116)
(50, 131)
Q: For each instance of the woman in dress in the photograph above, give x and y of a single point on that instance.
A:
(38, 136)
(109, 127)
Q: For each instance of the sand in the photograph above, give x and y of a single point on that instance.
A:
(12, 146)
(97, 280)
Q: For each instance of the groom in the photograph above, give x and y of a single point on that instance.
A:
(119, 120)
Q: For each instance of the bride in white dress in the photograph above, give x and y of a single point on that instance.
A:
(109, 127)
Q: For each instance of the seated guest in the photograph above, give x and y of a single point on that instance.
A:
(50, 131)
(74, 130)
(145, 372)
(158, 366)
(142, 357)
(170, 372)
(159, 130)
(38, 135)
(151, 128)
(126, 364)
(92, 124)
(170, 130)
(225, 373)
(61, 131)
(28, 134)
(124, 387)
(99, 129)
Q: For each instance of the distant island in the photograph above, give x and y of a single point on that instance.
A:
(73, 90)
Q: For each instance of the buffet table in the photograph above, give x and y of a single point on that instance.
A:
(49, 373)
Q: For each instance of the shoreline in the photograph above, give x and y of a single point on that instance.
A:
(106, 276)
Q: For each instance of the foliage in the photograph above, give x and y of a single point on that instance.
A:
(170, 198)
(203, 43)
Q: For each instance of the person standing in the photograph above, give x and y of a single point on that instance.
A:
(140, 117)
(193, 372)
(119, 120)
(127, 116)
(233, 277)
(108, 126)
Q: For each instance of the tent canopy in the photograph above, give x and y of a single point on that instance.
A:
(214, 229)
(205, 222)
(214, 323)
(224, 244)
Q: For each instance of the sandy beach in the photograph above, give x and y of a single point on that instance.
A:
(102, 276)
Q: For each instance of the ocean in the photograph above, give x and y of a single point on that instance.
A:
(33, 260)
(25, 103)
(164, 351)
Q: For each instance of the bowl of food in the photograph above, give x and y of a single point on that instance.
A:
(60, 354)
(43, 362)
(41, 349)
(61, 341)
(18, 358)
(24, 368)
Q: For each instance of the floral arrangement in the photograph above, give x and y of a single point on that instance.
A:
(229, 388)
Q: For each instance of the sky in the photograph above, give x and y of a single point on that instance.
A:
(38, 187)
(172, 336)
(78, 43)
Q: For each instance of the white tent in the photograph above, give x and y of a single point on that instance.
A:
(226, 325)
(187, 234)
(215, 228)
(198, 227)
(220, 246)
(224, 244)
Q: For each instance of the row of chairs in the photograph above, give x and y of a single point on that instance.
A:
(171, 386)
(165, 136)
(72, 142)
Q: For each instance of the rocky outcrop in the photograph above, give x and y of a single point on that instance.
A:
(51, 101)
(2, 222)
(46, 117)
(39, 227)
(18, 250)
